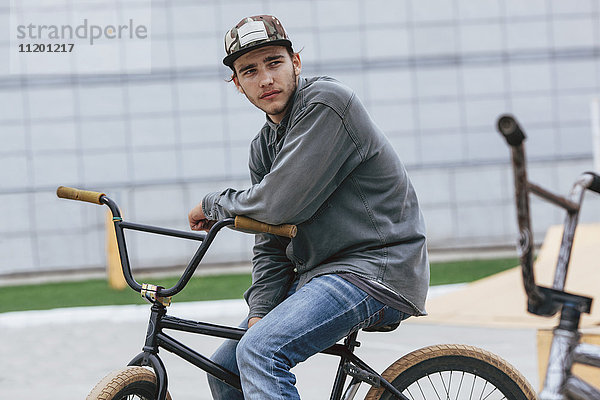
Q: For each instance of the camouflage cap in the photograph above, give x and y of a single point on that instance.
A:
(252, 33)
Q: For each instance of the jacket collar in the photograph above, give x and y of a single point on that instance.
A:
(278, 130)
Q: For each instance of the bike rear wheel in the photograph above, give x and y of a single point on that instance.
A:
(455, 372)
(125, 384)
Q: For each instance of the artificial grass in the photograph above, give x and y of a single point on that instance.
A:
(468, 271)
(97, 292)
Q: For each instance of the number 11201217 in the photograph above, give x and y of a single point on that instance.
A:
(46, 48)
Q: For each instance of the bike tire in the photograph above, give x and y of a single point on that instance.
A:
(126, 382)
(439, 372)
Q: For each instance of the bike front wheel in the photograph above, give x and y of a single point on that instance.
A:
(454, 372)
(125, 384)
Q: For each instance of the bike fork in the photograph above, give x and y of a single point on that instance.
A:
(149, 357)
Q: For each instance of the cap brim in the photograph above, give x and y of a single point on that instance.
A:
(230, 59)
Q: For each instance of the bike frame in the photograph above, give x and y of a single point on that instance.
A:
(565, 350)
(156, 338)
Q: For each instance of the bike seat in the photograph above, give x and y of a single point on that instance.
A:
(386, 328)
(553, 300)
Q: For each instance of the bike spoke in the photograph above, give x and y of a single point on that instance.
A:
(483, 390)
(433, 386)
(472, 388)
(460, 385)
(447, 390)
(133, 397)
(490, 393)
(419, 385)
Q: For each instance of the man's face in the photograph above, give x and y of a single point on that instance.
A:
(268, 76)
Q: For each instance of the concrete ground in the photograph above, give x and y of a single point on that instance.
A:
(63, 353)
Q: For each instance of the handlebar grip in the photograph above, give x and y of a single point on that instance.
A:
(510, 129)
(249, 224)
(77, 194)
(595, 185)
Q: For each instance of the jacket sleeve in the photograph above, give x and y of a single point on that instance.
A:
(271, 275)
(318, 153)
(271, 269)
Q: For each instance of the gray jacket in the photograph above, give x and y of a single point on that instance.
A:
(330, 170)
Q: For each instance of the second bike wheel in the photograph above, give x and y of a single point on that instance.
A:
(125, 384)
(455, 372)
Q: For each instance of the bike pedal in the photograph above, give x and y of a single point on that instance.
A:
(362, 375)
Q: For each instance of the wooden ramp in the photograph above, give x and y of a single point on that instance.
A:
(500, 301)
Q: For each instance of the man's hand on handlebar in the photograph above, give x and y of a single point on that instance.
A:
(198, 221)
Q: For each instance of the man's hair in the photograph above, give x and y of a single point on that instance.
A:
(290, 51)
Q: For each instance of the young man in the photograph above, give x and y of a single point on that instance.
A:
(359, 259)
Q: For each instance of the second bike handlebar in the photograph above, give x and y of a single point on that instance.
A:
(241, 223)
(515, 136)
(595, 184)
(511, 130)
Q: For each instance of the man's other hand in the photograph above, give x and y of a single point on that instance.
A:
(198, 221)
(252, 321)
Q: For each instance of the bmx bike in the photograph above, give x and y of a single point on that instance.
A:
(566, 349)
(434, 372)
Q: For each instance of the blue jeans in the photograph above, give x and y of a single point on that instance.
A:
(309, 320)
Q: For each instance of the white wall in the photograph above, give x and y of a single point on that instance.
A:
(434, 74)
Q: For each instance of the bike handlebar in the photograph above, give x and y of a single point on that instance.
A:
(77, 194)
(595, 184)
(511, 130)
(251, 225)
(241, 223)
(537, 296)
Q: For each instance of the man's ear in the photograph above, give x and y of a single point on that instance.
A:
(297, 63)
(237, 84)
